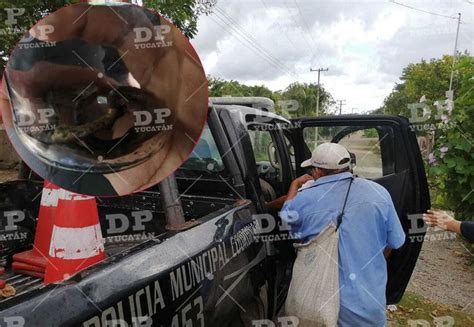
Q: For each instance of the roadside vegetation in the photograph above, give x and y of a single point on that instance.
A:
(449, 125)
(415, 310)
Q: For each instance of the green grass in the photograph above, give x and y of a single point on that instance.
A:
(415, 307)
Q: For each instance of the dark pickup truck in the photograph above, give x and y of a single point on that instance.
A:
(231, 265)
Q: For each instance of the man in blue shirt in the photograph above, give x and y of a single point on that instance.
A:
(369, 226)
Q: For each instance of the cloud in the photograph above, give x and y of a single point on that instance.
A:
(429, 40)
(365, 44)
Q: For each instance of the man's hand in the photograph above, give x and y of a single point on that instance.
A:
(298, 182)
(295, 185)
(441, 219)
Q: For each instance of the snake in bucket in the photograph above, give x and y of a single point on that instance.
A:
(120, 100)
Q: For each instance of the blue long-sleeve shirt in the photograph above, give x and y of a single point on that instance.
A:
(467, 230)
(369, 225)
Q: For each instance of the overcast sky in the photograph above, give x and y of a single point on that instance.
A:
(365, 44)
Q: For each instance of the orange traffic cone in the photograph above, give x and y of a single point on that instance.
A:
(20, 266)
(76, 241)
(35, 260)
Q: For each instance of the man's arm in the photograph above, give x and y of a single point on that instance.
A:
(443, 220)
(296, 184)
(277, 204)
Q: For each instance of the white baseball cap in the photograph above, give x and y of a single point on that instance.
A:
(329, 156)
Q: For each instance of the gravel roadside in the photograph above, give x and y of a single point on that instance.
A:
(444, 272)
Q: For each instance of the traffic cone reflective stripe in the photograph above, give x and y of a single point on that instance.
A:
(48, 206)
(76, 240)
(38, 255)
(76, 243)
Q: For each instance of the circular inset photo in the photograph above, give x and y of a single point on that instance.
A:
(104, 99)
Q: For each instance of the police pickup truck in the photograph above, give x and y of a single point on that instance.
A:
(230, 264)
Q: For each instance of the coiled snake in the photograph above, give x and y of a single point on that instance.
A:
(118, 102)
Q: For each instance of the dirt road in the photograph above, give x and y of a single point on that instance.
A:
(444, 272)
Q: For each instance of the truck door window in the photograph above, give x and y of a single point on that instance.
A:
(372, 147)
(266, 155)
(205, 156)
(364, 144)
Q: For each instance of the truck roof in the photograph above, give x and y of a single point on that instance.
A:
(244, 106)
(261, 103)
(242, 112)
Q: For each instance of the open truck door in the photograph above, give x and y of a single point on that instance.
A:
(386, 151)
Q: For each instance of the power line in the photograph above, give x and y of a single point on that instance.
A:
(308, 30)
(310, 47)
(238, 37)
(226, 19)
(244, 34)
(279, 26)
(422, 10)
(248, 44)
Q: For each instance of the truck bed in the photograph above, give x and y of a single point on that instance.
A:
(21, 283)
(19, 194)
(24, 284)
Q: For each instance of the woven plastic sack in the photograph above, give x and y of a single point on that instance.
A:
(313, 296)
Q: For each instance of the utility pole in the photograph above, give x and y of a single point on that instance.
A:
(341, 103)
(455, 54)
(319, 70)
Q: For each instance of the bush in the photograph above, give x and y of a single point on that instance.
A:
(452, 161)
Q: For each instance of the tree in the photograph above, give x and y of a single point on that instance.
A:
(450, 166)
(16, 17)
(183, 13)
(426, 78)
(305, 94)
(452, 162)
(219, 88)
